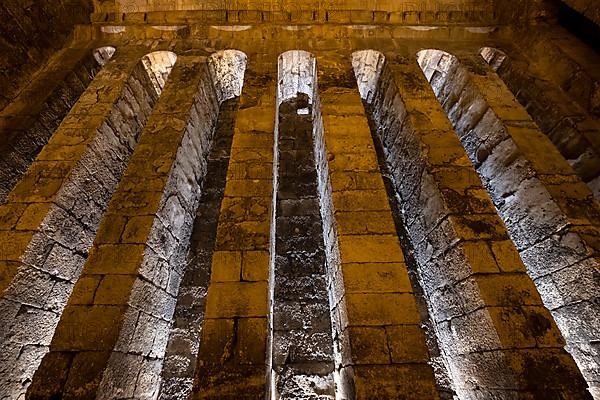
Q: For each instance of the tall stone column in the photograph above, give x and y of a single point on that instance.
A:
(550, 213)
(111, 339)
(51, 216)
(380, 347)
(232, 356)
(498, 339)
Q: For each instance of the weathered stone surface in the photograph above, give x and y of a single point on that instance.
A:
(569, 127)
(370, 292)
(468, 306)
(231, 360)
(302, 360)
(536, 192)
(28, 122)
(64, 203)
(140, 281)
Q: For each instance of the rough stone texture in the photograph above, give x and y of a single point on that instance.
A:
(28, 122)
(181, 355)
(237, 347)
(380, 348)
(302, 347)
(550, 213)
(478, 292)
(232, 361)
(573, 131)
(30, 33)
(138, 258)
(52, 215)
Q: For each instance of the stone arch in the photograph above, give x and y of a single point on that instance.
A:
(549, 212)
(368, 67)
(557, 116)
(227, 69)
(297, 75)
(27, 125)
(158, 65)
(100, 133)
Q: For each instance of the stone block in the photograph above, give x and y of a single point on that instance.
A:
(115, 259)
(255, 266)
(376, 382)
(236, 299)
(88, 328)
(226, 266)
(370, 248)
(369, 345)
(252, 341)
(364, 222)
(114, 289)
(376, 278)
(407, 344)
(379, 309)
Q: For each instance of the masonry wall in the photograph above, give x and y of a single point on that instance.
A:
(185, 290)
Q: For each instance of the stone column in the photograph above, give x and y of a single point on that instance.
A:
(550, 213)
(496, 336)
(380, 348)
(111, 339)
(27, 123)
(51, 216)
(232, 356)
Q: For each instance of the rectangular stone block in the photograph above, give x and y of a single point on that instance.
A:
(226, 266)
(376, 278)
(379, 309)
(236, 299)
(370, 248)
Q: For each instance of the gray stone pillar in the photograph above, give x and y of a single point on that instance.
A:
(51, 216)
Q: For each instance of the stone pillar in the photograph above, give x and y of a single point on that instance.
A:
(572, 130)
(27, 123)
(380, 348)
(550, 213)
(51, 216)
(111, 339)
(496, 336)
(232, 356)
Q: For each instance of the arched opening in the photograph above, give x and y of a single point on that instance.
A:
(159, 65)
(102, 55)
(227, 68)
(368, 67)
